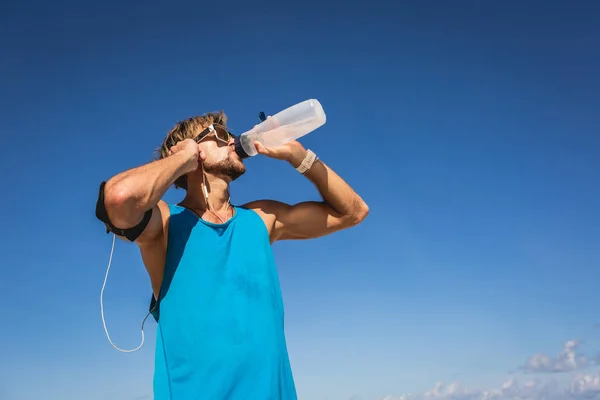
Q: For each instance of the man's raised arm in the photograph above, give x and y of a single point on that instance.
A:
(133, 194)
(341, 207)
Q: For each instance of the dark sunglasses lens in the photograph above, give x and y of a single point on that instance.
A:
(222, 134)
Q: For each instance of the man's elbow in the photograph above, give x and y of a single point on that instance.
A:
(358, 214)
(361, 214)
(119, 204)
(116, 195)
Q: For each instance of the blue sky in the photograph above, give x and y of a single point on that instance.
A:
(470, 129)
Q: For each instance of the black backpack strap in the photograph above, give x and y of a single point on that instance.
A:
(130, 233)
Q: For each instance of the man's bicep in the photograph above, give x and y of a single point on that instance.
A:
(307, 220)
(153, 230)
(156, 226)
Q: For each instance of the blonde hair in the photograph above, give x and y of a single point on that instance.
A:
(188, 128)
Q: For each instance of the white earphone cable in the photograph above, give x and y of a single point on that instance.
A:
(102, 305)
(209, 207)
(110, 262)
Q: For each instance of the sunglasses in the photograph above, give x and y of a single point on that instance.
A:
(221, 134)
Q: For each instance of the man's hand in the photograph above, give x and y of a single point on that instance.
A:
(192, 152)
(292, 152)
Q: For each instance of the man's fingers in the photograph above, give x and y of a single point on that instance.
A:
(260, 148)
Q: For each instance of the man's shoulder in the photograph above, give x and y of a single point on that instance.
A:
(266, 209)
(265, 206)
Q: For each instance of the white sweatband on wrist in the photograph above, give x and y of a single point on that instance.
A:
(308, 162)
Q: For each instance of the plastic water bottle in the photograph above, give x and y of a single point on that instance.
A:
(283, 127)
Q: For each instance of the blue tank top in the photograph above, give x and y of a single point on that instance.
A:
(220, 313)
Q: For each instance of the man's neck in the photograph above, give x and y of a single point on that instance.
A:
(218, 194)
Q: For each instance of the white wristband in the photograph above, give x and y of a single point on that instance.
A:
(308, 162)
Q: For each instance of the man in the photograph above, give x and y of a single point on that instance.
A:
(219, 308)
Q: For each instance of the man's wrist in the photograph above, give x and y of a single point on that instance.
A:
(188, 161)
(297, 158)
(307, 162)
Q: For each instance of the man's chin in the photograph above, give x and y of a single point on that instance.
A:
(229, 169)
(235, 170)
(241, 170)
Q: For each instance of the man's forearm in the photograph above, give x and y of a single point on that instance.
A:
(130, 194)
(336, 192)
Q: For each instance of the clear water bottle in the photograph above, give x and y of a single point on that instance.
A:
(283, 127)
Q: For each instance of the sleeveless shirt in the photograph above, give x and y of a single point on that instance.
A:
(220, 332)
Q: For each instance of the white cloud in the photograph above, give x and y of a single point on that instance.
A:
(580, 387)
(570, 386)
(568, 360)
(586, 386)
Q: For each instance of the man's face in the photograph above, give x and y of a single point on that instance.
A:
(221, 159)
